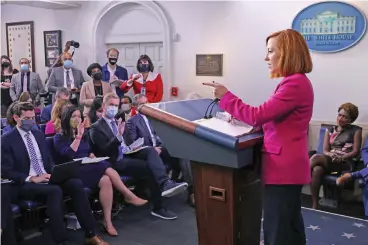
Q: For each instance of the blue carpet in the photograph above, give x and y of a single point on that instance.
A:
(323, 228)
(137, 227)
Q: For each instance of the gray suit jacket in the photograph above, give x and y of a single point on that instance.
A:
(56, 79)
(136, 128)
(35, 86)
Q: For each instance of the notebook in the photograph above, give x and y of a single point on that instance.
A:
(233, 128)
(87, 160)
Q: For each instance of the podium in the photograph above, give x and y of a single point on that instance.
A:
(225, 169)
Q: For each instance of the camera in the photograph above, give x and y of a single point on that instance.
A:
(74, 44)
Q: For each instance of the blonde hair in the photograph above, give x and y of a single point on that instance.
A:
(56, 112)
(294, 53)
(109, 96)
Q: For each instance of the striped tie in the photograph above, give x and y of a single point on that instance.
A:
(33, 155)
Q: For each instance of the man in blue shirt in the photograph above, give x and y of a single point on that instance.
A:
(111, 71)
(361, 174)
(61, 93)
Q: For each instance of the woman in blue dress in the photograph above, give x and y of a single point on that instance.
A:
(71, 143)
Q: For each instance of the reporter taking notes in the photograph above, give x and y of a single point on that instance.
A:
(285, 118)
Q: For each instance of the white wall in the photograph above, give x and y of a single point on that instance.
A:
(235, 29)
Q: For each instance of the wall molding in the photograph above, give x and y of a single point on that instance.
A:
(158, 12)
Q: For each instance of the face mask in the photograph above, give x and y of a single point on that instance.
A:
(74, 123)
(113, 61)
(24, 67)
(144, 67)
(5, 64)
(27, 124)
(68, 63)
(125, 107)
(97, 76)
(111, 111)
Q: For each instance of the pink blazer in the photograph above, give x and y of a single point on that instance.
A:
(285, 120)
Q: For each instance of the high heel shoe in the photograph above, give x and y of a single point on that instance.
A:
(110, 231)
(136, 201)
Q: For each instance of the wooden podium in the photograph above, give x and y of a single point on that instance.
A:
(225, 172)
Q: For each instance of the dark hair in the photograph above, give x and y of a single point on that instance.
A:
(10, 66)
(351, 109)
(93, 66)
(112, 49)
(22, 106)
(125, 97)
(9, 114)
(96, 104)
(66, 115)
(145, 57)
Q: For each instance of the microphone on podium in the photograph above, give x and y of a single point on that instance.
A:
(213, 103)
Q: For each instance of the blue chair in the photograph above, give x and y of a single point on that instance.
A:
(3, 123)
(331, 192)
(42, 127)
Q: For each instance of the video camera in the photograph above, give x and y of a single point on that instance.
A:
(74, 44)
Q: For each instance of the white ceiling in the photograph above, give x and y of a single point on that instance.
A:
(46, 4)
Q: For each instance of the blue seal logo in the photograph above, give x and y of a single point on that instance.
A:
(330, 26)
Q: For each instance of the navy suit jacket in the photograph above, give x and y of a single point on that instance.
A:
(14, 155)
(365, 153)
(46, 113)
(137, 128)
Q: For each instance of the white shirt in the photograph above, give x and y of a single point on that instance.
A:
(112, 73)
(70, 77)
(153, 137)
(32, 171)
(124, 146)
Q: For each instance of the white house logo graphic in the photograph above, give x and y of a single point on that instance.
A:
(328, 22)
(330, 26)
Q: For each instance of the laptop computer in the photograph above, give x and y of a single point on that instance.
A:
(64, 172)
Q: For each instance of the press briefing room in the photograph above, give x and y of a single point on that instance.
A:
(184, 122)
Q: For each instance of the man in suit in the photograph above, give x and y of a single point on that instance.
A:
(139, 126)
(61, 93)
(26, 160)
(107, 140)
(111, 71)
(65, 76)
(26, 81)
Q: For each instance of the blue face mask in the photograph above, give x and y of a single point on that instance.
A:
(27, 124)
(68, 63)
(111, 111)
(24, 67)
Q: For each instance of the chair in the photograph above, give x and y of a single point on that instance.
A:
(42, 127)
(331, 192)
(3, 123)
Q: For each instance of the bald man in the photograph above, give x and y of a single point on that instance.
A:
(65, 76)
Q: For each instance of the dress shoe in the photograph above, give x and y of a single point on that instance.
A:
(96, 240)
(191, 200)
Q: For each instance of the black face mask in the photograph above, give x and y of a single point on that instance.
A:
(144, 67)
(97, 76)
(5, 64)
(113, 61)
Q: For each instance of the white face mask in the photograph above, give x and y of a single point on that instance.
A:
(125, 107)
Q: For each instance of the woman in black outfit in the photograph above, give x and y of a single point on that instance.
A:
(7, 73)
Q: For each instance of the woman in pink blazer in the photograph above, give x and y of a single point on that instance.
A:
(284, 118)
